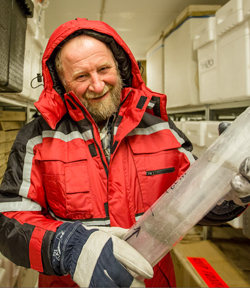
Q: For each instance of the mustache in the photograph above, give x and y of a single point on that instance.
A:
(93, 95)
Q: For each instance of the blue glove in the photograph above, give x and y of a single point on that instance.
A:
(97, 257)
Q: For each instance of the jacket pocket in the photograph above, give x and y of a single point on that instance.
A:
(160, 171)
(157, 170)
(68, 192)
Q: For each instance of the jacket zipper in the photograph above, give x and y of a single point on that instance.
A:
(91, 127)
(113, 125)
(160, 171)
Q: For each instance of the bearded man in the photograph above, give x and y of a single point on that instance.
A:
(78, 175)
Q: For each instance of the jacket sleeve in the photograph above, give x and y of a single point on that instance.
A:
(220, 214)
(25, 229)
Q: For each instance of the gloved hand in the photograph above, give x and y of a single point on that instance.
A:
(97, 257)
(240, 192)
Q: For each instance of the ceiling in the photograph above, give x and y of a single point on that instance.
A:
(139, 22)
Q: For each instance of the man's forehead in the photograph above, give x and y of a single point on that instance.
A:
(84, 40)
(84, 45)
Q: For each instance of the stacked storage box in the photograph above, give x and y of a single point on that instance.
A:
(10, 123)
(233, 52)
(206, 46)
(180, 59)
(155, 63)
(223, 46)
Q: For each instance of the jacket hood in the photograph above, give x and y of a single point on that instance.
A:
(51, 103)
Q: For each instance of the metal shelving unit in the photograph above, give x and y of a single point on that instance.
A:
(15, 104)
(210, 112)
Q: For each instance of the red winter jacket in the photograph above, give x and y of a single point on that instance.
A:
(58, 172)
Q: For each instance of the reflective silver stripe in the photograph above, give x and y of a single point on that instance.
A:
(115, 130)
(97, 222)
(149, 130)
(188, 154)
(162, 126)
(24, 189)
(24, 205)
(156, 128)
(177, 136)
(68, 137)
(87, 135)
(150, 105)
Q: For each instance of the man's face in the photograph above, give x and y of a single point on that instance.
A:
(89, 71)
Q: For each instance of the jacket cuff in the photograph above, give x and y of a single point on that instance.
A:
(220, 214)
(46, 253)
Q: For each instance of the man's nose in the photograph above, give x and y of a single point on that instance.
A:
(96, 84)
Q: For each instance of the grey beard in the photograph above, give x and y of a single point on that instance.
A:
(102, 110)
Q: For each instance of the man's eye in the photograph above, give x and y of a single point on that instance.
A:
(104, 68)
(80, 76)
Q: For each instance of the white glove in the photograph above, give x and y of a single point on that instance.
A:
(97, 257)
(240, 193)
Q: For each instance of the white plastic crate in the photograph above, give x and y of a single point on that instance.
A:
(205, 44)
(229, 16)
(233, 44)
(196, 132)
(212, 132)
(201, 133)
(181, 65)
(155, 67)
(204, 33)
(192, 130)
(178, 124)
